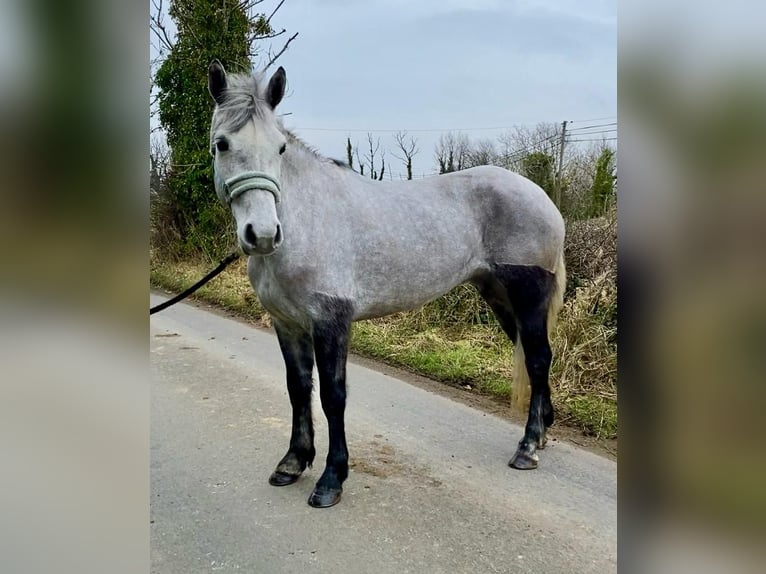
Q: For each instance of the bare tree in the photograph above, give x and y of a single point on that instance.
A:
(409, 150)
(370, 157)
(579, 171)
(164, 214)
(359, 160)
(382, 165)
(159, 164)
(374, 150)
(522, 141)
(483, 152)
(158, 28)
(162, 41)
(349, 153)
(451, 152)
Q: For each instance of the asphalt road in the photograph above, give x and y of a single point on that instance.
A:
(429, 489)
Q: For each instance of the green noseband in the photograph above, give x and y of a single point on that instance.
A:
(245, 181)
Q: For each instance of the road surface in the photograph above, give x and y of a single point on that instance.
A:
(429, 489)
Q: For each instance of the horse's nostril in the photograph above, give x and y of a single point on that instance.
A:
(278, 236)
(250, 236)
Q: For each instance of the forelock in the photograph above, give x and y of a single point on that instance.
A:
(242, 100)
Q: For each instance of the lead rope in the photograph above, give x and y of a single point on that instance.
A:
(232, 187)
(221, 266)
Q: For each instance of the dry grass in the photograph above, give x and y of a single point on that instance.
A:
(230, 290)
(590, 249)
(584, 374)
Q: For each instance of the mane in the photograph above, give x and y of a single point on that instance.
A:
(244, 99)
(296, 141)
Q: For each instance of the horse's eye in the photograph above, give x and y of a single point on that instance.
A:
(221, 145)
(282, 149)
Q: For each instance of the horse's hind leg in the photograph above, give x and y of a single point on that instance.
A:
(331, 337)
(529, 290)
(299, 362)
(537, 353)
(496, 296)
(493, 292)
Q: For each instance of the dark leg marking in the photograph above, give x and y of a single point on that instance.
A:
(529, 289)
(331, 337)
(493, 292)
(299, 361)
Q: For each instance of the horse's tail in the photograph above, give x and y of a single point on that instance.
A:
(521, 389)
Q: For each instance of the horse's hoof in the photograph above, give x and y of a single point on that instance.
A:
(282, 478)
(523, 461)
(321, 498)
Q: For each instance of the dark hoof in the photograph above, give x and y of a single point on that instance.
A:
(282, 478)
(523, 460)
(321, 498)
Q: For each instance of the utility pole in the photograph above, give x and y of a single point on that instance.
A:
(557, 187)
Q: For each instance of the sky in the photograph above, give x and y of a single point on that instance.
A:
(431, 66)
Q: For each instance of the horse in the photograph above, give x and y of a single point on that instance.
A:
(327, 247)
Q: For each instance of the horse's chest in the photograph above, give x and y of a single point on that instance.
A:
(277, 296)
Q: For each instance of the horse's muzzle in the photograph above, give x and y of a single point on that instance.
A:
(253, 243)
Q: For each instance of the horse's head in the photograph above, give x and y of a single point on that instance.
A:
(247, 143)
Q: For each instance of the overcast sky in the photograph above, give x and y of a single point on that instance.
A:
(439, 65)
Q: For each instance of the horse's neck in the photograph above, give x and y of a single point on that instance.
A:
(300, 166)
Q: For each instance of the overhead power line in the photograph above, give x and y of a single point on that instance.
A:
(593, 132)
(407, 129)
(525, 150)
(593, 120)
(593, 140)
(473, 129)
(593, 126)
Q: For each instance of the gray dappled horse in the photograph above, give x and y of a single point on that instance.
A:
(328, 247)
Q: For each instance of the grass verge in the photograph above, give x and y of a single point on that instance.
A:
(456, 340)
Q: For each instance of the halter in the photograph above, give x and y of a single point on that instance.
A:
(245, 181)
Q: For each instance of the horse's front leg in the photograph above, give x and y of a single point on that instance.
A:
(299, 362)
(331, 334)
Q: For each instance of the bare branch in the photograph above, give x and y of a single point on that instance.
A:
(268, 20)
(274, 58)
(161, 34)
(375, 151)
(409, 149)
(382, 165)
(253, 37)
(359, 160)
(248, 5)
(157, 25)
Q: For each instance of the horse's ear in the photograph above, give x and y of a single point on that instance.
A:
(216, 80)
(276, 88)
